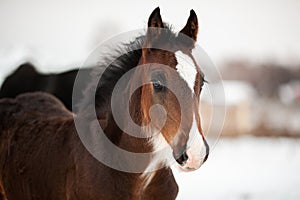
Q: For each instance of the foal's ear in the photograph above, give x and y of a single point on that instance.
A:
(191, 27)
(155, 25)
(155, 20)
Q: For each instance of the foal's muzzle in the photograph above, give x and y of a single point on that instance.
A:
(188, 161)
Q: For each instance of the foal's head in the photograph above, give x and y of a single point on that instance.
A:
(174, 81)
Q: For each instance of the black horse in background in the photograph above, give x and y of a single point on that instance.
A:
(27, 79)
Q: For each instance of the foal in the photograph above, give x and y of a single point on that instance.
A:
(42, 156)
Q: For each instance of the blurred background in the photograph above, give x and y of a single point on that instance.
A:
(253, 44)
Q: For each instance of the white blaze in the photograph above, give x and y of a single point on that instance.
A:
(196, 149)
(186, 69)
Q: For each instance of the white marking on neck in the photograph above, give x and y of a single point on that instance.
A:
(162, 153)
(162, 156)
(186, 69)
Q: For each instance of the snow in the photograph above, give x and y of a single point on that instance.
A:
(235, 92)
(245, 168)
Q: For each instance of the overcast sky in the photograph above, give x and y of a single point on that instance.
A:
(56, 33)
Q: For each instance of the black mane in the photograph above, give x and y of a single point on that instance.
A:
(113, 67)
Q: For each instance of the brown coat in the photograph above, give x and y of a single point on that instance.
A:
(41, 157)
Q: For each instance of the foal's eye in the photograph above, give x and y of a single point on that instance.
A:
(157, 85)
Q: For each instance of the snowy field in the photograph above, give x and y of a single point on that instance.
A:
(246, 168)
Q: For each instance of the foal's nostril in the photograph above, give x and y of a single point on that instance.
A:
(205, 158)
(182, 159)
(207, 150)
